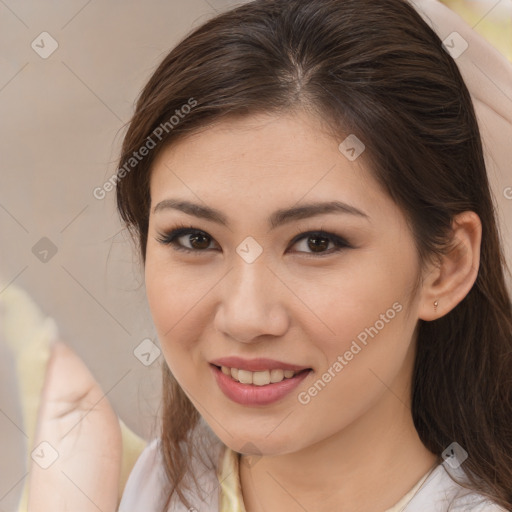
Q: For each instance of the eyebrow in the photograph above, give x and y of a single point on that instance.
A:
(278, 218)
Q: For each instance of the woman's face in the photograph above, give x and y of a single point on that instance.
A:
(255, 285)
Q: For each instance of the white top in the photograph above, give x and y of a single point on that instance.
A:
(434, 492)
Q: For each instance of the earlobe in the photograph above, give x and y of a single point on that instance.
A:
(452, 278)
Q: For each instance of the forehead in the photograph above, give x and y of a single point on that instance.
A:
(273, 160)
(285, 148)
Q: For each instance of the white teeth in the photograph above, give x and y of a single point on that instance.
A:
(245, 377)
(261, 378)
(276, 375)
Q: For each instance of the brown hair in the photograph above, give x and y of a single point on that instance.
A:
(376, 70)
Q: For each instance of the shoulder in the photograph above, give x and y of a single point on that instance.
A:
(147, 484)
(440, 493)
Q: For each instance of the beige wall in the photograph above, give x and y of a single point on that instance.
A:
(62, 118)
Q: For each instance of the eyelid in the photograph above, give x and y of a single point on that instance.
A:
(339, 241)
(169, 238)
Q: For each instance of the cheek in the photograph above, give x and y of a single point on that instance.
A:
(173, 295)
(177, 310)
(362, 362)
(361, 317)
(349, 302)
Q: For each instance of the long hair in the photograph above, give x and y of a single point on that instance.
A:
(376, 70)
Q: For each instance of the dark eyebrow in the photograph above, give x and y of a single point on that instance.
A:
(278, 218)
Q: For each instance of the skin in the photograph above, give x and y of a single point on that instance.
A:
(294, 305)
(357, 434)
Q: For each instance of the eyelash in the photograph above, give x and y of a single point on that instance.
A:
(170, 237)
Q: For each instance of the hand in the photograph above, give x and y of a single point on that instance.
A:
(77, 421)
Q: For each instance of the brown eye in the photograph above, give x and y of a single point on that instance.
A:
(199, 241)
(318, 243)
(195, 241)
(186, 239)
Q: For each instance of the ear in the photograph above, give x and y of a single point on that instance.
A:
(451, 279)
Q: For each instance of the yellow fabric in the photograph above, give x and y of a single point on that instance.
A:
(231, 499)
(495, 25)
(29, 335)
(231, 491)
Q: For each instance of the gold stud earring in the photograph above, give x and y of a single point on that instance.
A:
(436, 303)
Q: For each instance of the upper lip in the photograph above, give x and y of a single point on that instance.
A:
(255, 365)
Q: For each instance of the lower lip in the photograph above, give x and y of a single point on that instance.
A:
(249, 394)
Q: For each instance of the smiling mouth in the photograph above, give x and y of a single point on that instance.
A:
(260, 378)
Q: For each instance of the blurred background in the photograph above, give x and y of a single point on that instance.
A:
(69, 75)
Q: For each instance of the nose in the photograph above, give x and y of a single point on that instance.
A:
(252, 303)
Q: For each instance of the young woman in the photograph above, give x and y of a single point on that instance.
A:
(306, 184)
(322, 265)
